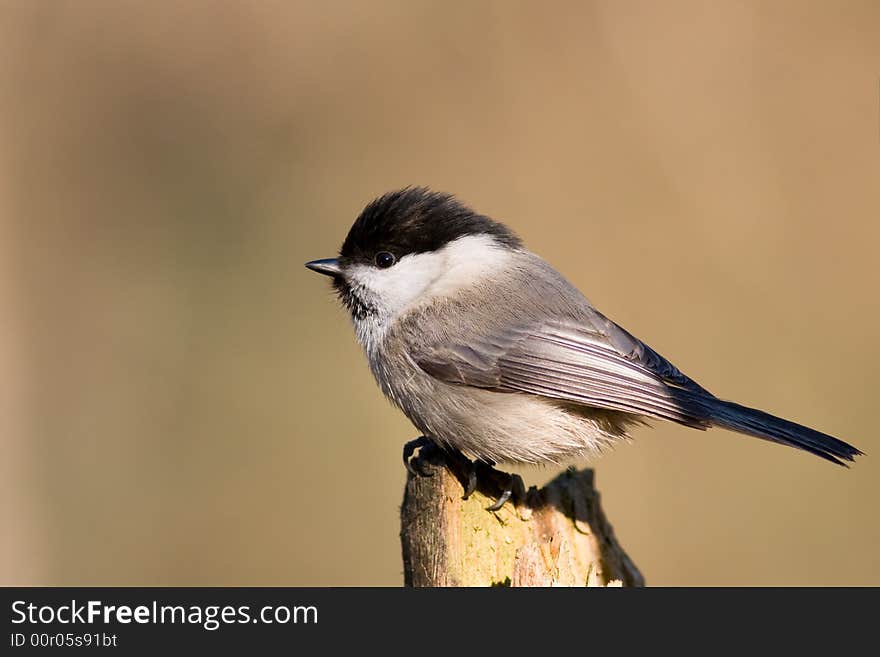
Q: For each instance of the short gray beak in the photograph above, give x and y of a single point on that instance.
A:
(327, 266)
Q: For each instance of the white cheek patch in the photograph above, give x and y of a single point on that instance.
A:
(468, 260)
(420, 277)
(393, 289)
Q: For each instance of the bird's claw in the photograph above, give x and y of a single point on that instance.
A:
(471, 482)
(506, 492)
(502, 499)
(465, 469)
(414, 464)
(514, 488)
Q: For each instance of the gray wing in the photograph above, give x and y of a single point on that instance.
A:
(593, 363)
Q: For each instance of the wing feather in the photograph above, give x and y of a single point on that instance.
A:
(585, 366)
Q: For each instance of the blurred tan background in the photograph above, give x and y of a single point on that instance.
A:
(181, 402)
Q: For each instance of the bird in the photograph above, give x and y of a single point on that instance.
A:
(496, 358)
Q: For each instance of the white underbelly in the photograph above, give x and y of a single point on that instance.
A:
(502, 427)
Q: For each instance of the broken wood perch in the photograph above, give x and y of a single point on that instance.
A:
(557, 535)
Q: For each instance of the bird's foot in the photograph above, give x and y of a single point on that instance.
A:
(414, 463)
(465, 469)
(511, 485)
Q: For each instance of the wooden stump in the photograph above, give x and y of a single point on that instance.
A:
(555, 536)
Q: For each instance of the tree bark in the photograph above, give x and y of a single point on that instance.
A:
(555, 536)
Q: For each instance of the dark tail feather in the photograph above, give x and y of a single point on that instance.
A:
(769, 427)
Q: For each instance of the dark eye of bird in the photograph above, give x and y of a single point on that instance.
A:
(385, 259)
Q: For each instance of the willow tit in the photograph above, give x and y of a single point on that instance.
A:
(494, 356)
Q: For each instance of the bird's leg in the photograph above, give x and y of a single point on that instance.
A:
(420, 443)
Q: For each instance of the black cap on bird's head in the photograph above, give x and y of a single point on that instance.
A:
(416, 220)
(408, 221)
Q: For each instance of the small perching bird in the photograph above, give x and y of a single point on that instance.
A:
(494, 356)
